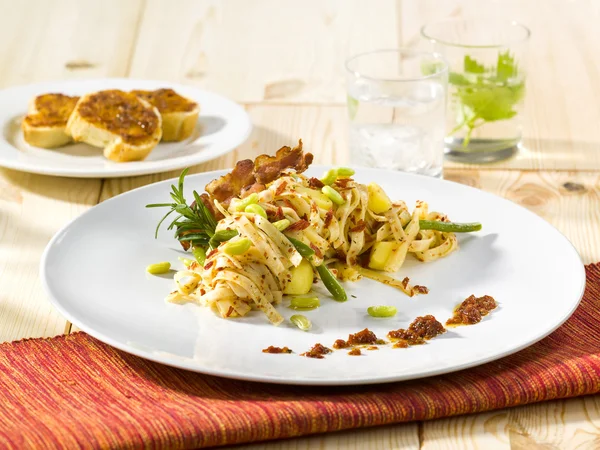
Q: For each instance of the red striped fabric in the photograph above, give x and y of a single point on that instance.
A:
(75, 392)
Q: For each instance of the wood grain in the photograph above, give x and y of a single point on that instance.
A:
(32, 209)
(393, 437)
(264, 50)
(61, 40)
(65, 39)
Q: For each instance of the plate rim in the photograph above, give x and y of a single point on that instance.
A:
(163, 167)
(181, 363)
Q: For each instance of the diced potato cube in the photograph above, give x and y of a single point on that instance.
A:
(380, 254)
(302, 279)
(396, 258)
(379, 202)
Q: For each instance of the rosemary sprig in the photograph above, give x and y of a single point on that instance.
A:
(194, 223)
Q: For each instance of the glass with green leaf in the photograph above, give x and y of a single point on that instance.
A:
(486, 86)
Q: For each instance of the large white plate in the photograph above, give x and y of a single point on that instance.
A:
(221, 127)
(94, 273)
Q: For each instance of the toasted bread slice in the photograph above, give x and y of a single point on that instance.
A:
(126, 126)
(179, 114)
(46, 121)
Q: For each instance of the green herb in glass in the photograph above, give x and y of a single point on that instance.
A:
(486, 94)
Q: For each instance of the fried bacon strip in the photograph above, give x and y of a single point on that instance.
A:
(247, 176)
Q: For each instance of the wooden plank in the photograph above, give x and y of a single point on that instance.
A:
(32, 209)
(563, 90)
(563, 424)
(394, 437)
(66, 39)
(61, 40)
(475, 431)
(261, 50)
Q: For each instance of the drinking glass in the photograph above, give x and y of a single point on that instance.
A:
(486, 59)
(397, 107)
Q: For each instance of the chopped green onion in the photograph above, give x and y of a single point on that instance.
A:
(158, 268)
(243, 203)
(302, 248)
(238, 246)
(345, 172)
(382, 311)
(222, 236)
(449, 227)
(301, 322)
(185, 261)
(333, 195)
(329, 177)
(304, 303)
(255, 208)
(200, 255)
(282, 224)
(332, 284)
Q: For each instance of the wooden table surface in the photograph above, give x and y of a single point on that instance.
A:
(283, 60)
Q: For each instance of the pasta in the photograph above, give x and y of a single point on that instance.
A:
(355, 238)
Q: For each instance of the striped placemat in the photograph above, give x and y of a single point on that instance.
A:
(76, 392)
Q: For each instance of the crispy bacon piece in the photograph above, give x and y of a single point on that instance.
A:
(299, 225)
(254, 188)
(275, 214)
(328, 217)
(280, 188)
(247, 176)
(315, 183)
(272, 349)
(420, 330)
(420, 289)
(317, 351)
(317, 250)
(340, 343)
(269, 168)
(365, 336)
(472, 310)
(360, 226)
(231, 184)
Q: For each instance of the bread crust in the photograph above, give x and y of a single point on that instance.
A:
(103, 130)
(45, 123)
(179, 114)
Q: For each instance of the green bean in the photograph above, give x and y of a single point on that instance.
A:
(222, 236)
(332, 284)
(382, 311)
(302, 248)
(238, 246)
(241, 205)
(282, 224)
(185, 261)
(200, 255)
(449, 227)
(345, 172)
(304, 303)
(333, 195)
(329, 177)
(255, 208)
(158, 268)
(329, 280)
(301, 322)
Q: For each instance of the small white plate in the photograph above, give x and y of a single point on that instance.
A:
(221, 127)
(94, 273)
